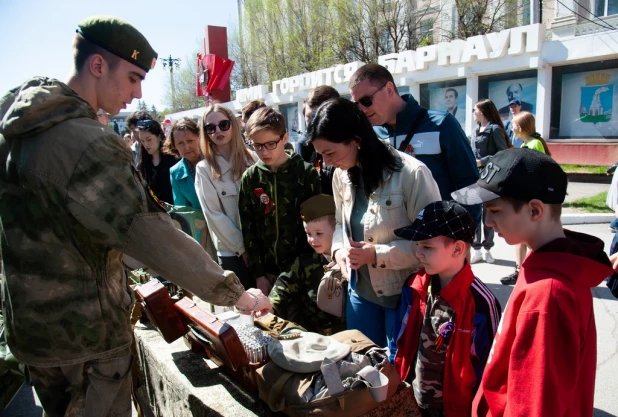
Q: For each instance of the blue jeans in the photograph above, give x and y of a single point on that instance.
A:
(373, 320)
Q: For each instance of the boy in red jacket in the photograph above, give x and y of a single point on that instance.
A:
(543, 361)
(447, 318)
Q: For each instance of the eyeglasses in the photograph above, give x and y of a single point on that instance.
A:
(223, 126)
(143, 124)
(258, 147)
(367, 101)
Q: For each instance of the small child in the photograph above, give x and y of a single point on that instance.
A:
(294, 295)
(543, 360)
(271, 192)
(447, 318)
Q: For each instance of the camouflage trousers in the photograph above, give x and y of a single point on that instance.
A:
(97, 388)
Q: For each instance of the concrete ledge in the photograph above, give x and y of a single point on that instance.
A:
(586, 218)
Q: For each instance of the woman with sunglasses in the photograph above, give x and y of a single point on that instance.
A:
(217, 182)
(377, 189)
(184, 142)
(153, 164)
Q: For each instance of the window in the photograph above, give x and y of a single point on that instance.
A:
(386, 41)
(427, 31)
(605, 7)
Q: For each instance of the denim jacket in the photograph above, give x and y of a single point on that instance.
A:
(394, 204)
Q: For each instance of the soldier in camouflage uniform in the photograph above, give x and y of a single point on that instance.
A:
(271, 192)
(294, 295)
(70, 204)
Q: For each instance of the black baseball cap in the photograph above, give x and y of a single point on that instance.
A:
(523, 174)
(441, 218)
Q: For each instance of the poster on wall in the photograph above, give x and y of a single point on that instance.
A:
(446, 96)
(522, 89)
(587, 104)
(291, 120)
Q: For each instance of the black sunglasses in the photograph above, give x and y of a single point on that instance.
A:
(367, 101)
(223, 126)
(258, 147)
(144, 123)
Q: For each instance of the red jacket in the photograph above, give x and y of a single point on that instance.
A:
(464, 361)
(543, 362)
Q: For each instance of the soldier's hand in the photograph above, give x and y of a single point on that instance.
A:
(263, 284)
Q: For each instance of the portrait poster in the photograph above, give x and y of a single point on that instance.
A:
(290, 112)
(502, 92)
(449, 96)
(587, 105)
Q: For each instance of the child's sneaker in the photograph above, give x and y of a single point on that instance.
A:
(487, 256)
(510, 279)
(477, 256)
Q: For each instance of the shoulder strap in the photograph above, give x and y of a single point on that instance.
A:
(413, 128)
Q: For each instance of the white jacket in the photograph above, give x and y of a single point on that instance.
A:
(219, 201)
(394, 204)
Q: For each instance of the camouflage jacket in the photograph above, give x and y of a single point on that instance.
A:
(294, 295)
(70, 204)
(269, 206)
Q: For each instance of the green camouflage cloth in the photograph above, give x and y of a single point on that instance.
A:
(431, 355)
(294, 295)
(273, 234)
(71, 204)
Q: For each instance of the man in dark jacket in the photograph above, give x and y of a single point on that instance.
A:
(438, 140)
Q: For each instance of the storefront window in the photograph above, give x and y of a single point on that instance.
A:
(583, 101)
(605, 7)
(449, 96)
(502, 88)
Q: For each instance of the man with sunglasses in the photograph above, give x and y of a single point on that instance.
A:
(71, 204)
(433, 137)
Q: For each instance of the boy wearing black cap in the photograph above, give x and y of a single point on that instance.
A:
(293, 296)
(447, 318)
(543, 361)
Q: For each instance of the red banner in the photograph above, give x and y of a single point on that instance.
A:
(213, 73)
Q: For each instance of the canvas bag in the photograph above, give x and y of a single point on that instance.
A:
(283, 390)
(332, 291)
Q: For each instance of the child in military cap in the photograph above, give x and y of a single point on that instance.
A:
(446, 318)
(543, 361)
(294, 294)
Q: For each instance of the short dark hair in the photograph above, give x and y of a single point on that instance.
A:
(136, 116)
(250, 108)
(319, 95)
(555, 210)
(453, 90)
(84, 49)
(376, 74)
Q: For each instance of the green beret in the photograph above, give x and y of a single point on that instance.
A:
(120, 38)
(317, 206)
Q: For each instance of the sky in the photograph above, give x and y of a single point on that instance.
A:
(37, 35)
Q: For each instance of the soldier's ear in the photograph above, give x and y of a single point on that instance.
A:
(96, 65)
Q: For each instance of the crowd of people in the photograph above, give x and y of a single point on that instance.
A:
(395, 194)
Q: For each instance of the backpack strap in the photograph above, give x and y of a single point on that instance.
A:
(413, 128)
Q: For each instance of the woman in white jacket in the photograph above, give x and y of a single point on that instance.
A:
(217, 181)
(377, 189)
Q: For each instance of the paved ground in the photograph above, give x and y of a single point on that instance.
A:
(606, 311)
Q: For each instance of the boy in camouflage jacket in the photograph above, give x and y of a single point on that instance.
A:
(271, 192)
(294, 295)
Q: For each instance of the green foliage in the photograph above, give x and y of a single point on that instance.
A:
(583, 169)
(594, 204)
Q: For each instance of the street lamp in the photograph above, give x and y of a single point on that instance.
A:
(172, 63)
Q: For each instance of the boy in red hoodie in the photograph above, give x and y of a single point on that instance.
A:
(543, 361)
(447, 318)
